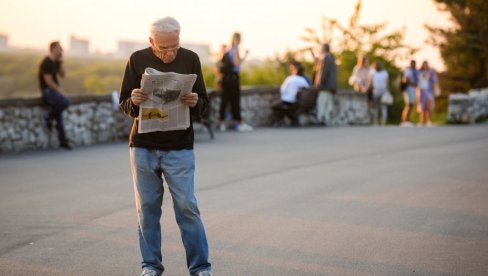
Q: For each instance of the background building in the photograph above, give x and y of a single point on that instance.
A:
(78, 47)
(3, 42)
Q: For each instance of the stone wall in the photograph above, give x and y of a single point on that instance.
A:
(88, 120)
(95, 119)
(350, 108)
(468, 108)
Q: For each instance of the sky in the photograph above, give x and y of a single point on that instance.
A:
(268, 27)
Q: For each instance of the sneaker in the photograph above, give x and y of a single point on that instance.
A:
(204, 273)
(244, 127)
(150, 272)
(429, 124)
(222, 127)
(406, 124)
(65, 145)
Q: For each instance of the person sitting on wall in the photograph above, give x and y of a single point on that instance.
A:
(52, 94)
(289, 91)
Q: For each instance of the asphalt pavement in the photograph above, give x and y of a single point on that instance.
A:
(287, 201)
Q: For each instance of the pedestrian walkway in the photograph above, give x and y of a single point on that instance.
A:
(308, 201)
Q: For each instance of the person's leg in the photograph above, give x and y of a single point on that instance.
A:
(429, 109)
(329, 107)
(148, 191)
(423, 107)
(375, 109)
(278, 114)
(235, 99)
(58, 103)
(406, 108)
(178, 170)
(411, 101)
(384, 114)
(224, 99)
(321, 102)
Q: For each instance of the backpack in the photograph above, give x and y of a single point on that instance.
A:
(226, 66)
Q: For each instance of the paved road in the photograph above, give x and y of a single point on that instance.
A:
(316, 201)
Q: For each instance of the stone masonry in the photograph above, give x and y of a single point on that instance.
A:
(96, 119)
(468, 108)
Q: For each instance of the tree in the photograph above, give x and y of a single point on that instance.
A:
(464, 47)
(349, 42)
(372, 41)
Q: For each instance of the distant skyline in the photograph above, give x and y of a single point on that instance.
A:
(267, 27)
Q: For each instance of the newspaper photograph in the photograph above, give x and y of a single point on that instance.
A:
(163, 111)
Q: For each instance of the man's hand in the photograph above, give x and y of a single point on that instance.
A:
(138, 96)
(190, 99)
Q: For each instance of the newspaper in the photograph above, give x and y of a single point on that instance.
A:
(163, 111)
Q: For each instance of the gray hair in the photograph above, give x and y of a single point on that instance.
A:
(164, 25)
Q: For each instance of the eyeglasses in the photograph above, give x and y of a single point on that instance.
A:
(165, 50)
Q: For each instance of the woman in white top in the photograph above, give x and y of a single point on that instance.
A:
(360, 74)
(379, 80)
(289, 90)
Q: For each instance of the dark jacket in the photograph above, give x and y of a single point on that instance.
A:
(328, 76)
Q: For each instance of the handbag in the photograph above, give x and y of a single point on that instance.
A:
(437, 90)
(387, 98)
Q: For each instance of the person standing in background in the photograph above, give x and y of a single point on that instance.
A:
(231, 86)
(219, 65)
(410, 78)
(325, 81)
(379, 80)
(359, 79)
(425, 94)
(52, 94)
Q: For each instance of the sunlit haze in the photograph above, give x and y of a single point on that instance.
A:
(268, 27)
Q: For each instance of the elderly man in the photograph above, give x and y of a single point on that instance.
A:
(168, 153)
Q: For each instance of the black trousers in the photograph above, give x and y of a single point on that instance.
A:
(286, 109)
(231, 95)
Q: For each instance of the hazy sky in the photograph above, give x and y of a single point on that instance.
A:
(267, 26)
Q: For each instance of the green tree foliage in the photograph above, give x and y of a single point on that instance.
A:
(372, 41)
(354, 40)
(18, 75)
(464, 47)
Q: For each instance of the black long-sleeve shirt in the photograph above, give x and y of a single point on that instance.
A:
(186, 62)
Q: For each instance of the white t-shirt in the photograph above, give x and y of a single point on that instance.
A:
(290, 87)
(410, 73)
(380, 80)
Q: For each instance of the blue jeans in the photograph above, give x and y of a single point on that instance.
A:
(377, 104)
(58, 103)
(178, 168)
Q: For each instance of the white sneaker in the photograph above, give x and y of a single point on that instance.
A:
(222, 127)
(150, 272)
(406, 124)
(205, 273)
(429, 124)
(244, 127)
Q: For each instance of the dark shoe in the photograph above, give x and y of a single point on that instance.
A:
(65, 145)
